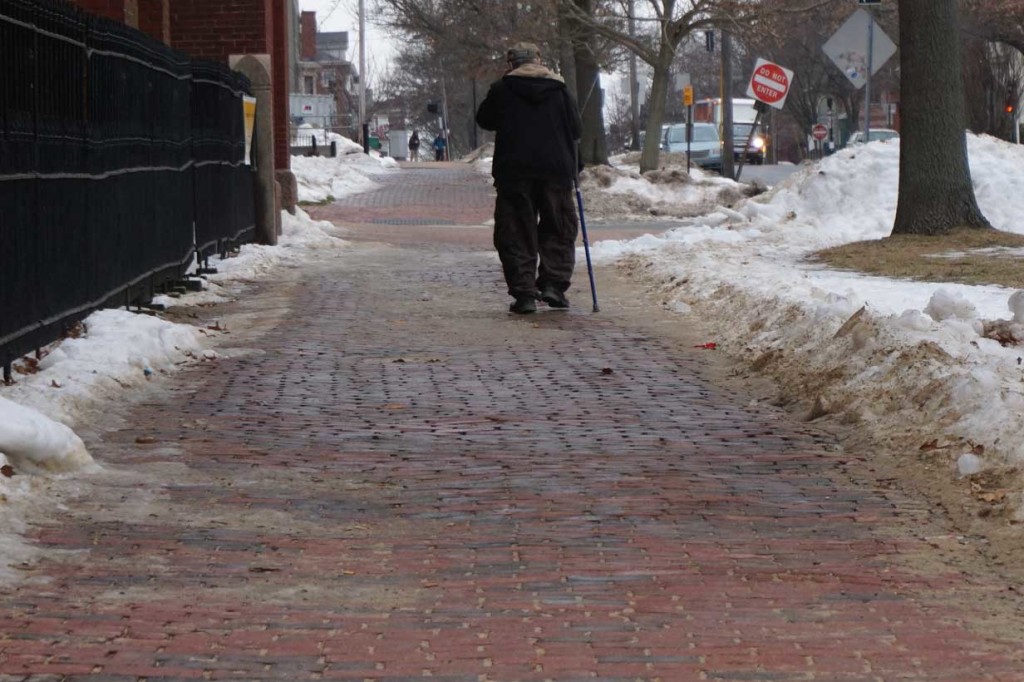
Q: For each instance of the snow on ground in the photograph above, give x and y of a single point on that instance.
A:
(322, 178)
(912, 366)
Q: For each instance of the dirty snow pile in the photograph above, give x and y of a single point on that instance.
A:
(351, 172)
(620, 192)
(906, 361)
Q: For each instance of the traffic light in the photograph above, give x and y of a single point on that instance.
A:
(1011, 105)
(709, 40)
(432, 107)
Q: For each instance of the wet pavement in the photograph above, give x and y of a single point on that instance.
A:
(388, 477)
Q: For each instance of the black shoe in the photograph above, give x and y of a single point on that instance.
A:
(524, 305)
(554, 298)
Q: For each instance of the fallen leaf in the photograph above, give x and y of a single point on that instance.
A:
(145, 440)
(607, 370)
(7, 470)
(978, 450)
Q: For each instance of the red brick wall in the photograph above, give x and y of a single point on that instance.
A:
(308, 30)
(280, 58)
(216, 29)
(154, 19)
(124, 11)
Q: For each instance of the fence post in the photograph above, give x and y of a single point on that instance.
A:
(257, 68)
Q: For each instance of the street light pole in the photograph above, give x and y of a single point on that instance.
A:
(867, 76)
(634, 94)
(363, 127)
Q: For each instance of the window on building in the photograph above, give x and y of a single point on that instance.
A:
(308, 84)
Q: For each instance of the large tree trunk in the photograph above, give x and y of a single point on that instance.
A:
(935, 193)
(593, 142)
(656, 108)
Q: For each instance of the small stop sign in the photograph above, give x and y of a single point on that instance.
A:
(770, 83)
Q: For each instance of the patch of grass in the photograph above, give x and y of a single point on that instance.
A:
(963, 256)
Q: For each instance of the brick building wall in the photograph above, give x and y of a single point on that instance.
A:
(155, 19)
(308, 36)
(125, 11)
(281, 42)
(217, 30)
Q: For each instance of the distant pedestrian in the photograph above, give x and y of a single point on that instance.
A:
(537, 125)
(440, 144)
(414, 146)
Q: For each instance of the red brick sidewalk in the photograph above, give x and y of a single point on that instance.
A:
(400, 480)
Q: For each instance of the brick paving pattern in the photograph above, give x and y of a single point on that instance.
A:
(402, 481)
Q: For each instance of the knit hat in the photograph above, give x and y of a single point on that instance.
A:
(521, 53)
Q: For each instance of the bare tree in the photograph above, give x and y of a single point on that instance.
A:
(996, 20)
(994, 41)
(469, 37)
(935, 193)
(660, 34)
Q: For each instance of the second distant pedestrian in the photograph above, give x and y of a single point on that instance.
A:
(440, 145)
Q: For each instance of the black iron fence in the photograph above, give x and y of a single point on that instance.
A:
(121, 161)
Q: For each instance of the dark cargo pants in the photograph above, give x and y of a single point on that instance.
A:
(535, 218)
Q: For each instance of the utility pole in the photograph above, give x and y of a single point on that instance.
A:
(444, 119)
(867, 76)
(727, 146)
(634, 86)
(363, 125)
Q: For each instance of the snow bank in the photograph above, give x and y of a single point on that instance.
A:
(906, 360)
(351, 172)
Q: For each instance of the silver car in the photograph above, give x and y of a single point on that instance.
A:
(705, 145)
(877, 134)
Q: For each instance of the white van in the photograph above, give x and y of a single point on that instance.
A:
(743, 116)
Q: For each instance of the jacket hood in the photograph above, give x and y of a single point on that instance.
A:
(534, 82)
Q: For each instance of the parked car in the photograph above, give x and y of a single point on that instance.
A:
(877, 134)
(758, 143)
(705, 146)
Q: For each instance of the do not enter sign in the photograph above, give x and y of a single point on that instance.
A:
(770, 83)
(819, 132)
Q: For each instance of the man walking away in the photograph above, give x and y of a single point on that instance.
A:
(536, 124)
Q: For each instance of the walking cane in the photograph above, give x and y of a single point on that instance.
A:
(583, 229)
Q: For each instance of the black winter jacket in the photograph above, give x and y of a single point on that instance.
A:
(536, 123)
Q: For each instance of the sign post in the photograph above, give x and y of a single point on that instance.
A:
(819, 132)
(688, 101)
(769, 85)
(846, 50)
